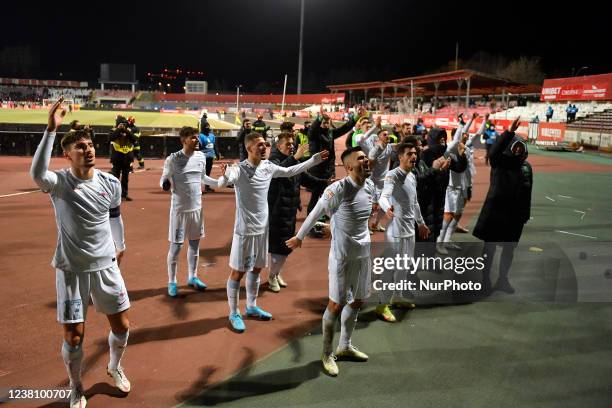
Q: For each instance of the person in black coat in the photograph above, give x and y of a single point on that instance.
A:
(283, 204)
(507, 206)
(436, 148)
(321, 136)
(244, 130)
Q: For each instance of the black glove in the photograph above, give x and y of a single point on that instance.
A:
(469, 193)
(166, 185)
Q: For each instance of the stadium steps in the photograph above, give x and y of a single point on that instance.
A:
(599, 121)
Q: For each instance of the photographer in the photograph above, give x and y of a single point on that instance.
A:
(122, 153)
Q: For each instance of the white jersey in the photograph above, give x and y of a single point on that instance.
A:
(349, 205)
(84, 239)
(381, 158)
(400, 192)
(186, 174)
(251, 184)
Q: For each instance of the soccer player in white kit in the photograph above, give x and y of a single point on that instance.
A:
(251, 179)
(458, 191)
(349, 203)
(399, 201)
(184, 173)
(89, 248)
(380, 156)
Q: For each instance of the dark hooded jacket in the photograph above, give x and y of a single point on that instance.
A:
(320, 139)
(508, 204)
(284, 201)
(433, 200)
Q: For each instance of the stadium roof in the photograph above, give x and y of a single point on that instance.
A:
(445, 83)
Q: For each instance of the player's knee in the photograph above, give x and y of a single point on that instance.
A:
(236, 275)
(356, 305)
(334, 307)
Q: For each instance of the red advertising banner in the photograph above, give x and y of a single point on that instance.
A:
(273, 98)
(586, 88)
(550, 134)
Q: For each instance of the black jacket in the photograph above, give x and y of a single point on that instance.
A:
(242, 153)
(284, 201)
(437, 186)
(508, 204)
(260, 127)
(320, 139)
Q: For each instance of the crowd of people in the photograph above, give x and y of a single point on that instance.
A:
(409, 175)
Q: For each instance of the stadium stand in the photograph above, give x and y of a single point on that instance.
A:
(539, 109)
(598, 121)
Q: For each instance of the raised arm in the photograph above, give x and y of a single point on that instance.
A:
(299, 168)
(504, 140)
(344, 128)
(327, 204)
(39, 171)
(229, 175)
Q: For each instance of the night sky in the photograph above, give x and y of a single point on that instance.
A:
(252, 42)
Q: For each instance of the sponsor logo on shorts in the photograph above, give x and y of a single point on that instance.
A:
(249, 262)
(73, 309)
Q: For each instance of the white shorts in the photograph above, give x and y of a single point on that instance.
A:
(455, 200)
(185, 225)
(349, 279)
(248, 252)
(106, 288)
(400, 246)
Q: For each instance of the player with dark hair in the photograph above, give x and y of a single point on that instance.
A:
(184, 173)
(89, 249)
(251, 179)
(349, 203)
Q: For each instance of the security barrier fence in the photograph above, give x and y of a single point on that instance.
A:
(21, 142)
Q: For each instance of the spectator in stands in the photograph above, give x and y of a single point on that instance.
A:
(574, 112)
(208, 146)
(568, 113)
(507, 207)
(549, 113)
(245, 130)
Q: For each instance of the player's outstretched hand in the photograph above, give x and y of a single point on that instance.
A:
(515, 124)
(324, 155)
(293, 243)
(378, 122)
(56, 115)
(301, 150)
(389, 214)
(474, 115)
(166, 185)
(120, 257)
(423, 231)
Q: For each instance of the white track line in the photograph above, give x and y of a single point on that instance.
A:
(18, 194)
(578, 235)
(551, 199)
(562, 196)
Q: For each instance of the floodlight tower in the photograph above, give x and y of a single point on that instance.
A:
(299, 78)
